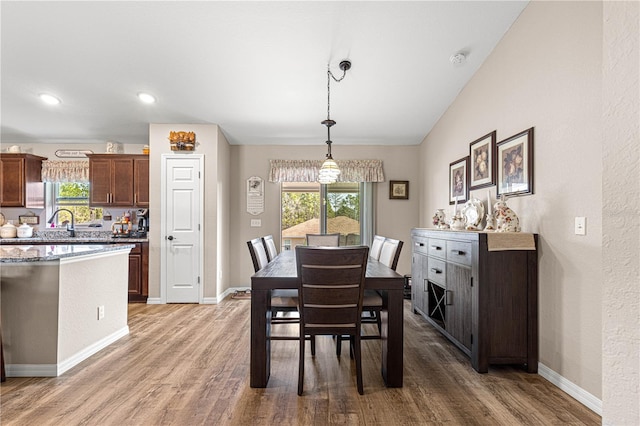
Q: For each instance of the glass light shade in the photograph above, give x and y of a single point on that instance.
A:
(329, 171)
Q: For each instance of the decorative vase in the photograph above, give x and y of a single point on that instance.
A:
(439, 219)
(506, 219)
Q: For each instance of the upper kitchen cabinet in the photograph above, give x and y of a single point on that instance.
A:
(21, 181)
(119, 180)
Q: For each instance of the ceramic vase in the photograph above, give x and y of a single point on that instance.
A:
(439, 219)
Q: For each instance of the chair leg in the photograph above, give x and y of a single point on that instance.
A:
(358, 357)
(301, 364)
(313, 345)
(379, 322)
(338, 345)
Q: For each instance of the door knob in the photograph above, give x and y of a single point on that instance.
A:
(170, 238)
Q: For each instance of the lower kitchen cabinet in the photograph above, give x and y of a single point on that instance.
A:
(483, 300)
(139, 273)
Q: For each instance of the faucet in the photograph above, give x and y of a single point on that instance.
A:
(72, 229)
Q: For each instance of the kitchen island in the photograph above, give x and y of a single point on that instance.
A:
(60, 304)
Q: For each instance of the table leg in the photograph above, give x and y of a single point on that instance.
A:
(392, 338)
(260, 343)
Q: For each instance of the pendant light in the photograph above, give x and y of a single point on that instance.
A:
(329, 171)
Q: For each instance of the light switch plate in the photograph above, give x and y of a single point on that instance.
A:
(581, 226)
(256, 223)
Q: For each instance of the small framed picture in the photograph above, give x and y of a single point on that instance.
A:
(515, 156)
(29, 220)
(482, 161)
(398, 189)
(459, 181)
(254, 185)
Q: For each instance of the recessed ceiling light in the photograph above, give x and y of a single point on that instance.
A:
(146, 98)
(49, 99)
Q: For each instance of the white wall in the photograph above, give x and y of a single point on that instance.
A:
(215, 180)
(621, 229)
(545, 73)
(394, 218)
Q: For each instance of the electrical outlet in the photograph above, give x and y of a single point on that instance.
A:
(581, 226)
(256, 223)
(100, 312)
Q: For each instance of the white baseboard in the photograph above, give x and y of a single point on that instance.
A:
(575, 391)
(54, 370)
(210, 301)
(154, 301)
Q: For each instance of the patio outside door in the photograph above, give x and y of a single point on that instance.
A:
(181, 229)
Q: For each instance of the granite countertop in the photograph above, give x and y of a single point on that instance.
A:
(61, 236)
(43, 253)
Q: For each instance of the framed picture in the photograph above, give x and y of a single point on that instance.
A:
(515, 156)
(459, 181)
(482, 160)
(398, 189)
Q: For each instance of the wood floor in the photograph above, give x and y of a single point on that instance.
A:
(189, 365)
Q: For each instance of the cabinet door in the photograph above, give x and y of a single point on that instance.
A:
(459, 303)
(122, 182)
(12, 182)
(141, 182)
(417, 294)
(100, 178)
(135, 279)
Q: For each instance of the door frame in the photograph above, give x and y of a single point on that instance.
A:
(163, 224)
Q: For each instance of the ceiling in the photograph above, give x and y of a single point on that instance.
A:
(257, 69)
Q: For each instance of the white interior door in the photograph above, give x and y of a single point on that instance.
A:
(182, 217)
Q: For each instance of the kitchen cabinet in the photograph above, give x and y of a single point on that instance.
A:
(139, 273)
(21, 181)
(485, 302)
(118, 180)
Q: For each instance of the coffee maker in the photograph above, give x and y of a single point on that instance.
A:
(143, 221)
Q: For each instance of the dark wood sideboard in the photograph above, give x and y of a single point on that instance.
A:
(485, 302)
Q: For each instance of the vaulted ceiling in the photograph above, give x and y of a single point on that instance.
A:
(257, 69)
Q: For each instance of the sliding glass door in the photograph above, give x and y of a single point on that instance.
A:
(311, 208)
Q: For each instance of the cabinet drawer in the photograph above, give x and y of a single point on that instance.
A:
(459, 252)
(420, 245)
(437, 248)
(437, 271)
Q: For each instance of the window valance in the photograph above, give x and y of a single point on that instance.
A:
(65, 171)
(307, 170)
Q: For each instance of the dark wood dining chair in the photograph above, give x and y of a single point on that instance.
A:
(282, 301)
(323, 240)
(270, 246)
(376, 246)
(389, 254)
(330, 292)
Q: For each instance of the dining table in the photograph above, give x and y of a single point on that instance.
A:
(281, 273)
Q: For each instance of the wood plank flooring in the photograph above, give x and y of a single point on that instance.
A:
(189, 365)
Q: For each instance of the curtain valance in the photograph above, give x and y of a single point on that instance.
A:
(308, 170)
(65, 171)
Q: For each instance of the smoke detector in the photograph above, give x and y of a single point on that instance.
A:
(458, 58)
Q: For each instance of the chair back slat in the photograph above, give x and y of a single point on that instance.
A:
(323, 240)
(272, 252)
(390, 252)
(331, 285)
(258, 253)
(376, 247)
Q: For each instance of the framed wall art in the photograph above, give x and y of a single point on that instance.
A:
(482, 161)
(398, 189)
(515, 159)
(459, 181)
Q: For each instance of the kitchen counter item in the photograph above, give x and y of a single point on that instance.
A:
(25, 231)
(8, 231)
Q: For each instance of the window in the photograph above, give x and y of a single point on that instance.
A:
(311, 208)
(73, 196)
